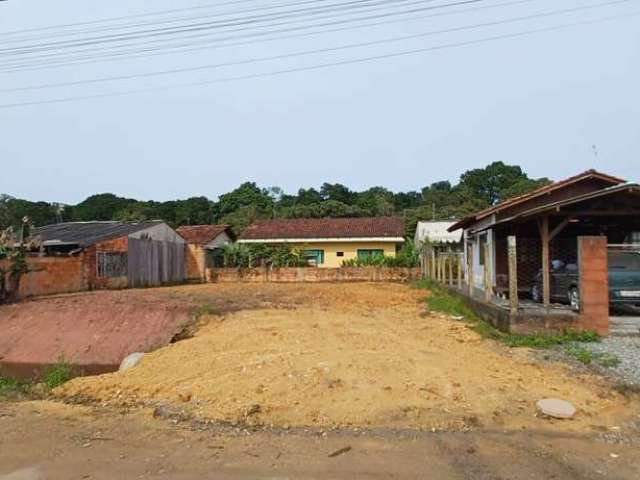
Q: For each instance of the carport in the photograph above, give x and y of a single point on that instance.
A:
(552, 243)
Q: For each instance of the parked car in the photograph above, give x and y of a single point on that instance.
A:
(624, 281)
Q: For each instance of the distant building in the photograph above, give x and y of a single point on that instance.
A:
(436, 233)
(327, 242)
(78, 256)
(204, 247)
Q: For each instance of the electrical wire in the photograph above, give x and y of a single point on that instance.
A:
(315, 51)
(371, 58)
(109, 53)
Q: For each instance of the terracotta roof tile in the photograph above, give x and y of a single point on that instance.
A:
(387, 227)
(202, 234)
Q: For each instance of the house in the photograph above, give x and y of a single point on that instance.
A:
(327, 242)
(78, 256)
(544, 228)
(437, 233)
(204, 247)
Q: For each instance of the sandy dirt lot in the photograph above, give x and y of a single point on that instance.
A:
(51, 441)
(343, 355)
(316, 382)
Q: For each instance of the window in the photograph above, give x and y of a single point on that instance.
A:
(314, 257)
(370, 252)
(339, 254)
(112, 264)
(481, 244)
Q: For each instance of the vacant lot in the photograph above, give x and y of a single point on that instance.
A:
(336, 355)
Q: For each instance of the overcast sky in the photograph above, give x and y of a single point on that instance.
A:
(556, 103)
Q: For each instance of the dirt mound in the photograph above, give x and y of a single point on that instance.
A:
(356, 355)
(93, 332)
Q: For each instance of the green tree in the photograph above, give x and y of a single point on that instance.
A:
(495, 182)
(103, 206)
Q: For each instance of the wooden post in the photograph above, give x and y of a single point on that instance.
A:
(544, 236)
(470, 270)
(450, 269)
(513, 274)
(433, 264)
(459, 267)
(488, 287)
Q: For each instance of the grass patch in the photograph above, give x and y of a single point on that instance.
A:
(440, 300)
(587, 357)
(11, 386)
(206, 309)
(57, 374)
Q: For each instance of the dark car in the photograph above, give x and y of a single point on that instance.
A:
(624, 281)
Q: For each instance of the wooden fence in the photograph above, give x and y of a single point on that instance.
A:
(152, 262)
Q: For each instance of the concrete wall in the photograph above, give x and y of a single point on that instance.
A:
(345, 274)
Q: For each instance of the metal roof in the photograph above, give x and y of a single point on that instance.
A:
(557, 206)
(437, 232)
(589, 174)
(84, 234)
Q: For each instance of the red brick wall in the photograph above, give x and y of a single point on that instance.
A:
(51, 275)
(594, 284)
(344, 274)
(116, 245)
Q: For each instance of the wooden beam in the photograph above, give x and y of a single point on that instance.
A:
(544, 237)
(513, 274)
(451, 269)
(459, 267)
(559, 228)
(603, 213)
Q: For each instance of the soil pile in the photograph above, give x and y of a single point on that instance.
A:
(369, 357)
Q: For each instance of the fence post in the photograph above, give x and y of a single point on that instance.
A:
(488, 288)
(513, 274)
(433, 264)
(459, 267)
(450, 269)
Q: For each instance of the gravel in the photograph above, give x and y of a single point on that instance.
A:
(627, 349)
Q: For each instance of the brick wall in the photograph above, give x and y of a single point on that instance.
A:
(344, 274)
(52, 275)
(594, 284)
(91, 269)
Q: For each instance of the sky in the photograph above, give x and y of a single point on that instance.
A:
(556, 102)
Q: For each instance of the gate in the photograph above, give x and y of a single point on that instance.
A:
(153, 262)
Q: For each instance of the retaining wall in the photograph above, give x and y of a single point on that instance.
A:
(310, 274)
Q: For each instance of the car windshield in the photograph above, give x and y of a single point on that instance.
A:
(624, 260)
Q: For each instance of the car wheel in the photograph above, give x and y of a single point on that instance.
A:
(574, 298)
(535, 293)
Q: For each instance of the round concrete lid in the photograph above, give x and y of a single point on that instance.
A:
(556, 408)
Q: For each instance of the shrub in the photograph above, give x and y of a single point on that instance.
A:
(407, 257)
(242, 255)
(57, 374)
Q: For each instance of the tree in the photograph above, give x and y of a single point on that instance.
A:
(103, 206)
(246, 195)
(13, 258)
(495, 182)
(337, 192)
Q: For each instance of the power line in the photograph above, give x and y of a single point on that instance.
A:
(62, 60)
(316, 51)
(194, 27)
(325, 65)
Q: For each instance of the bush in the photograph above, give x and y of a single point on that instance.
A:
(240, 255)
(407, 257)
(57, 374)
